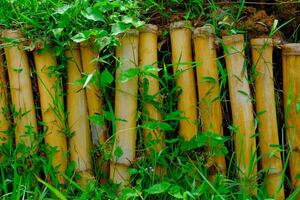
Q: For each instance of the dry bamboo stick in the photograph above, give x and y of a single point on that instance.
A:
(21, 90)
(90, 65)
(148, 56)
(180, 33)
(4, 111)
(291, 89)
(52, 106)
(125, 108)
(262, 50)
(80, 142)
(242, 111)
(208, 90)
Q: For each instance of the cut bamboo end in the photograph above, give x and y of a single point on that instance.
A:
(80, 142)
(291, 88)
(21, 90)
(126, 103)
(262, 50)
(181, 25)
(207, 30)
(51, 106)
(149, 28)
(242, 110)
(182, 53)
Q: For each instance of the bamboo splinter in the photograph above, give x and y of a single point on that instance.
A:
(52, 106)
(208, 90)
(262, 49)
(80, 142)
(242, 111)
(181, 34)
(148, 56)
(21, 90)
(291, 90)
(125, 108)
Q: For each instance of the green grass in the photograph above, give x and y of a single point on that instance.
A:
(32, 176)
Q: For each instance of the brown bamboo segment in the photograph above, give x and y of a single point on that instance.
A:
(80, 142)
(148, 56)
(4, 120)
(89, 57)
(51, 105)
(181, 45)
(242, 111)
(125, 108)
(262, 50)
(208, 90)
(291, 90)
(21, 90)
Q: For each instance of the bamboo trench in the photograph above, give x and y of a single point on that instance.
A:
(90, 65)
(181, 34)
(262, 50)
(125, 108)
(21, 90)
(291, 89)
(51, 101)
(242, 111)
(4, 111)
(80, 142)
(209, 89)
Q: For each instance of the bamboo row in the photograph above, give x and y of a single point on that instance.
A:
(90, 65)
(262, 50)
(180, 33)
(21, 90)
(242, 111)
(291, 89)
(125, 108)
(52, 105)
(80, 142)
(208, 87)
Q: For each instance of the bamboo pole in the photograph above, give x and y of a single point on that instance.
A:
(4, 111)
(209, 89)
(180, 33)
(80, 142)
(125, 108)
(21, 90)
(262, 50)
(148, 56)
(242, 111)
(291, 88)
(94, 99)
(52, 106)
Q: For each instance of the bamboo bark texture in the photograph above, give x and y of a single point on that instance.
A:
(90, 65)
(80, 142)
(148, 56)
(181, 44)
(208, 87)
(4, 111)
(125, 108)
(52, 106)
(242, 111)
(291, 90)
(21, 90)
(262, 50)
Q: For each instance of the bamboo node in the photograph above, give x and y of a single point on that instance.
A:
(291, 49)
(149, 28)
(180, 25)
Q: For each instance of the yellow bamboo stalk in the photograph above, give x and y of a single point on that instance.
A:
(21, 90)
(80, 142)
(208, 90)
(90, 65)
(51, 106)
(4, 120)
(148, 56)
(125, 108)
(262, 50)
(181, 34)
(291, 88)
(242, 111)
